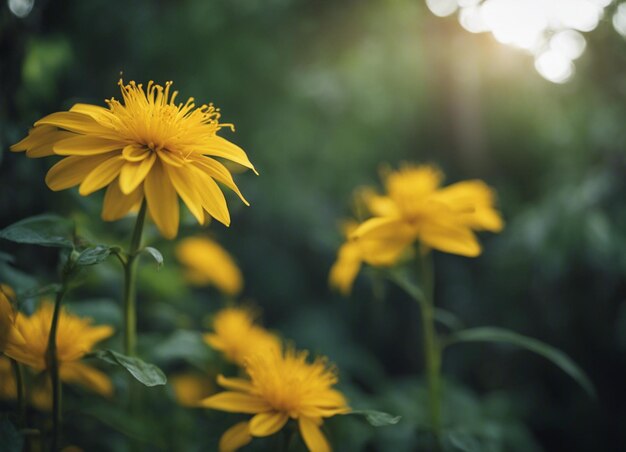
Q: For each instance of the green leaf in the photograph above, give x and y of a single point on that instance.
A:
(560, 359)
(145, 373)
(377, 418)
(448, 319)
(182, 344)
(44, 230)
(156, 254)
(93, 255)
(10, 438)
(402, 279)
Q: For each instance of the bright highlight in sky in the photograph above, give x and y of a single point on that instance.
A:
(549, 29)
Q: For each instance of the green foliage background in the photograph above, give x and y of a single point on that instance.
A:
(323, 92)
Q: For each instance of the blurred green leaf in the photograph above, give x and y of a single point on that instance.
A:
(36, 292)
(93, 255)
(44, 230)
(448, 319)
(183, 344)
(156, 255)
(146, 373)
(10, 438)
(557, 357)
(377, 418)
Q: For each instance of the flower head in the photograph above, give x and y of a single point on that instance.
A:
(417, 208)
(145, 145)
(237, 336)
(207, 263)
(75, 338)
(8, 332)
(281, 386)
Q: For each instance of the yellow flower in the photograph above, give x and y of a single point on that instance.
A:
(238, 337)
(146, 145)
(8, 332)
(189, 388)
(75, 338)
(348, 263)
(208, 263)
(282, 386)
(416, 208)
(39, 393)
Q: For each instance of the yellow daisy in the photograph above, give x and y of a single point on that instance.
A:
(281, 386)
(237, 336)
(75, 338)
(417, 208)
(207, 263)
(145, 146)
(8, 332)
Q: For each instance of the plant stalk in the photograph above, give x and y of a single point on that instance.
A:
(19, 386)
(130, 293)
(54, 365)
(432, 347)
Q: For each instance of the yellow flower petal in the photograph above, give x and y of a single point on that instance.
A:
(100, 114)
(265, 424)
(101, 175)
(313, 436)
(235, 437)
(451, 239)
(220, 173)
(238, 384)
(383, 240)
(74, 122)
(236, 402)
(162, 201)
(116, 204)
(213, 200)
(133, 174)
(185, 186)
(87, 376)
(346, 268)
(72, 170)
(220, 147)
(86, 145)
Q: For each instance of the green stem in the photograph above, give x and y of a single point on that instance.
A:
(53, 365)
(432, 347)
(19, 385)
(130, 293)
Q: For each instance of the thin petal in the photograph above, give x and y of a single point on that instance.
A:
(100, 114)
(101, 175)
(116, 204)
(213, 200)
(74, 122)
(220, 173)
(238, 384)
(72, 170)
(162, 201)
(235, 437)
(382, 241)
(86, 145)
(346, 268)
(236, 402)
(313, 436)
(133, 174)
(185, 184)
(87, 376)
(220, 147)
(454, 239)
(266, 424)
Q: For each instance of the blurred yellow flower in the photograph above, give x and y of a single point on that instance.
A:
(348, 263)
(207, 263)
(146, 145)
(417, 208)
(282, 386)
(237, 336)
(189, 388)
(8, 388)
(39, 393)
(8, 331)
(75, 338)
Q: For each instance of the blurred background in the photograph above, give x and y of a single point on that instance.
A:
(529, 96)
